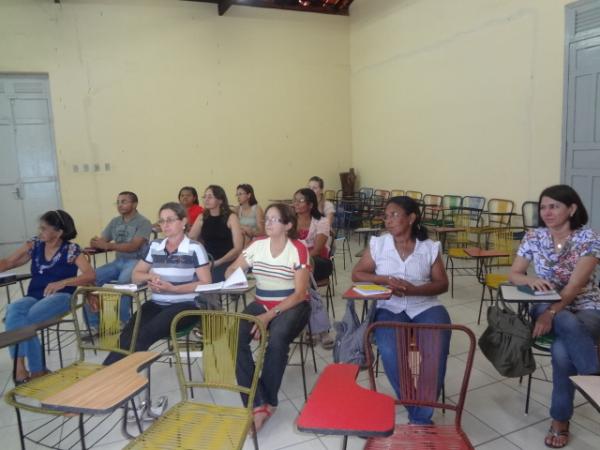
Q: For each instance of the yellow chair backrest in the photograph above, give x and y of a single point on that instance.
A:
(397, 192)
(416, 195)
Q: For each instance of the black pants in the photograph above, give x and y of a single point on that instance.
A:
(282, 331)
(155, 324)
(323, 268)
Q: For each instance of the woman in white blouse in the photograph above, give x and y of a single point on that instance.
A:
(411, 264)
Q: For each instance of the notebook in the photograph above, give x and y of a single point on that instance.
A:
(371, 289)
(237, 280)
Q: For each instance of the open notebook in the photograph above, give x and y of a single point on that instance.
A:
(237, 280)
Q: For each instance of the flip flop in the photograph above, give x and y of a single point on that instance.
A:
(264, 409)
(552, 434)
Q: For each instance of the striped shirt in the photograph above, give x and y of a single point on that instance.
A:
(275, 277)
(177, 268)
(416, 269)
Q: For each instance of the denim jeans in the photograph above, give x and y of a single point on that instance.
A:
(386, 344)
(28, 311)
(120, 271)
(573, 352)
(282, 331)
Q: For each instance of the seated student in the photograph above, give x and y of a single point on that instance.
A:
(411, 264)
(326, 208)
(126, 234)
(54, 265)
(279, 263)
(173, 267)
(219, 230)
(251, 215)
(188, 197)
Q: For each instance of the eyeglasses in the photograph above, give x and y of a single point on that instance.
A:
(273, 220)
(299, 200)
(391, 216)
(168, 220)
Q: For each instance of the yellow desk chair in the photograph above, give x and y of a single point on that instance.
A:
(190, 424)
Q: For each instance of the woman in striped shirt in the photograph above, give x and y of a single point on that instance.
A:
(412, 266)
(280, 265)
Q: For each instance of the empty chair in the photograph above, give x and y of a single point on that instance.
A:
(415, 195)
(418, 348)
(382, 193)
(529, 210)
(450, 203)
(499, 212)
(366, 193)
(397, 192)
(431, 210)
(473, 204)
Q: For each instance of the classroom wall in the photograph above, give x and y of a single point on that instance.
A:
(169, 94)
(458, 96)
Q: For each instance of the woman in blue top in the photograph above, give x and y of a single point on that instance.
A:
(54, 265)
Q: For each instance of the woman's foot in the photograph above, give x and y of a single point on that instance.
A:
(558, 435)
(261, 414)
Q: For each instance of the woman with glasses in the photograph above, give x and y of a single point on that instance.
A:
(219, 230)
(55, 262)
(251, 215)
(173, 267)
(411, 265)
(279, 264)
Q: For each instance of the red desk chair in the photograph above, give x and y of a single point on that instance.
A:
(418, 346)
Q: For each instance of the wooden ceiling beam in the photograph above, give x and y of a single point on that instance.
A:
(224, 5)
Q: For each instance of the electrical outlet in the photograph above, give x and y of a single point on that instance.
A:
(75, 168)
(86, 167)
(96, 167)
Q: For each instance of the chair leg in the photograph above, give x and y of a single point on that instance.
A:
(189, 361)
(312, 348)
(329, 297)
(302, 362)
(481, 304)
(81, 432)
(254, 437)
(20, 425)
(60, 356)
(528, 394)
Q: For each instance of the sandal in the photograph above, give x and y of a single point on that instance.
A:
(555, 434)
(264, 409)
(327, 341)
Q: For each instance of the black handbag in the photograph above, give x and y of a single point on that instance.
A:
(507, 341)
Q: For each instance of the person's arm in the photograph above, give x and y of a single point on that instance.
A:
(162, 286)
(322, 235)
(239, 262)
(125, 247)
(238, 241)
(194, 232)
(16, 259)
(141, 272)
(518, 276)
(301, 277)
(364, 270)
(579, 279)
(438, 284)
(86, 276)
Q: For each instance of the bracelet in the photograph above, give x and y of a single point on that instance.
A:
(551, 311)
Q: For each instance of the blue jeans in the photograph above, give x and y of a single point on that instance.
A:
(386, 344)
(282, 331)
(120, 271)
(28, 311)
(573, 352)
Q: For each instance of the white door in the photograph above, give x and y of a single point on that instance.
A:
(28, 176)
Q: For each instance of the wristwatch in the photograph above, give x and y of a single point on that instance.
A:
(277, 311)
(551, 311)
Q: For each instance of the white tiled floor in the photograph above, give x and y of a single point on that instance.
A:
(494, 416)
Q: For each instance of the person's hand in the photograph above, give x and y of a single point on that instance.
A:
(400, 287)
(53, 288)
(157, 285)
(265, 318)
(99, 242)
(543, 324)
(539, 284)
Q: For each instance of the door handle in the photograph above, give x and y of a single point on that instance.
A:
(17, 192)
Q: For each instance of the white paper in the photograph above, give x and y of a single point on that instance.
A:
(237, 280)
(511, 293)
(122, 287)
(7, 274)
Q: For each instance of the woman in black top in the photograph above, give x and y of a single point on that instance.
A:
(219, 230)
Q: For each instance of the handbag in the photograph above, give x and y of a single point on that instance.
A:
(349, 346)
(507, 341)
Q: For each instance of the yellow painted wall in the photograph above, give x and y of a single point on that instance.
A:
(170, 94)
(458, 96)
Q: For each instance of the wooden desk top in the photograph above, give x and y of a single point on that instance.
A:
(337, 405)
(105, 390)
(351, 294)
(12, 279)
(589, 386)
(447, 229)
(95, 251)
(476, 252)
(17, 335)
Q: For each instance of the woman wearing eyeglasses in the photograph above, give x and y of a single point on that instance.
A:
(218, 228)
(55, 262)
(411, 264)
(173, 267)
(279, 264)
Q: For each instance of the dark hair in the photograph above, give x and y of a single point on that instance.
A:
(177, 208)
(192, 190)
(248, 190)
(311, 198)
(410, 206)
(318, 180)
(132, 196)
(287, 216)
(61, 221)
(566, 195)
(219, 194)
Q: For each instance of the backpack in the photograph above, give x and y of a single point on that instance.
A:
(349, 339)
(319, 319)
(507, 342)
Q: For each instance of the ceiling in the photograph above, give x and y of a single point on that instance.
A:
(339, 7)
